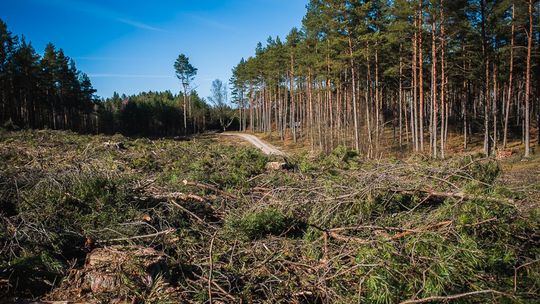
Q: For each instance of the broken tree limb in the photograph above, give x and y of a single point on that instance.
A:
(455, 195)
(179, 196)
(516, 269)
(340, 237)
(175, 204)
(139, 237)
(211, 271)
(347, 239)
(370, 227)
(216, 285)
(144, 185)
(455, 297)
(333, 233)
(423, 229)
(209, 187)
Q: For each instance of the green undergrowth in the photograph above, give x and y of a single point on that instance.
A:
(58, 190)
(257, 225)
(332, 228)
(448, 245)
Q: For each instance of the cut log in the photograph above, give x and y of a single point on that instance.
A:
(105, 267)
(114, 273)
(275, 166)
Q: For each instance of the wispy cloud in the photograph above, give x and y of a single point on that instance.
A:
(140, 25)
(207, 22)
(106, 75)
(101, 58)
(93, 9)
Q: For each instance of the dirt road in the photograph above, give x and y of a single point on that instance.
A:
(266, 148)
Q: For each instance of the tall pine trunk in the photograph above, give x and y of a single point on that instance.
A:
(510, 79)
(354, 102)
(528, 84)
(444, 105)
(421, 78)
(434, 100)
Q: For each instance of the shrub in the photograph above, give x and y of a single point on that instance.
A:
(227, 166)
(259, 224)
(485, 172)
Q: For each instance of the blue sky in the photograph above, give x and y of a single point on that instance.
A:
(130, 46)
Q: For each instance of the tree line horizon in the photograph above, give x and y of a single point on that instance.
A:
(363, 74)
(49, 92)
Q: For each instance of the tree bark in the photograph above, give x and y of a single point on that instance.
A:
(487, 141)
(421, 78)
(528, 84)
(354, 102)
(434, 100)
(510, 79)
(444, 114)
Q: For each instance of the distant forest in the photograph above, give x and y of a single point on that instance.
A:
(42, 92)
(154, 114)
(50, 92)
(406, 74)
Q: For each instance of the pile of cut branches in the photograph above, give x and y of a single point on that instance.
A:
(334, 229)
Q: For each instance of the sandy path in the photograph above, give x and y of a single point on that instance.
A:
(266, 148)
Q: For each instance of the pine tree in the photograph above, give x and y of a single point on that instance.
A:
(185, 73)
(358, 70)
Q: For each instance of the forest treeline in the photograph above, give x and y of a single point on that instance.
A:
(42, 91)
(49, 91)
(373, 74)
(154, 114)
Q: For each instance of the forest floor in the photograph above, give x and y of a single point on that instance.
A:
(100, 219)
(389, 146)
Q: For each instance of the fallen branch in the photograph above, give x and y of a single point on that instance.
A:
(209, 187)
(518, 268)
(370, 227)
(144, 185)
(138, 237)
(333, 233)
(179, 196)
(211, 271)
(339, 237)
(347, 239)
(423, 229)
(216, 285)
(454, 297)
(456, 195)
(175, 204)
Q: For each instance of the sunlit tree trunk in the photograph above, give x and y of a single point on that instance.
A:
(421, 78)
(434, 100)
(494, 107)
(293, 102)
(509, 96)
(444, 105)
(528, 84)
(310, 100)
(414, 115)
(400, 97)
(487, 139)
(377, 103)
(354, 101)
